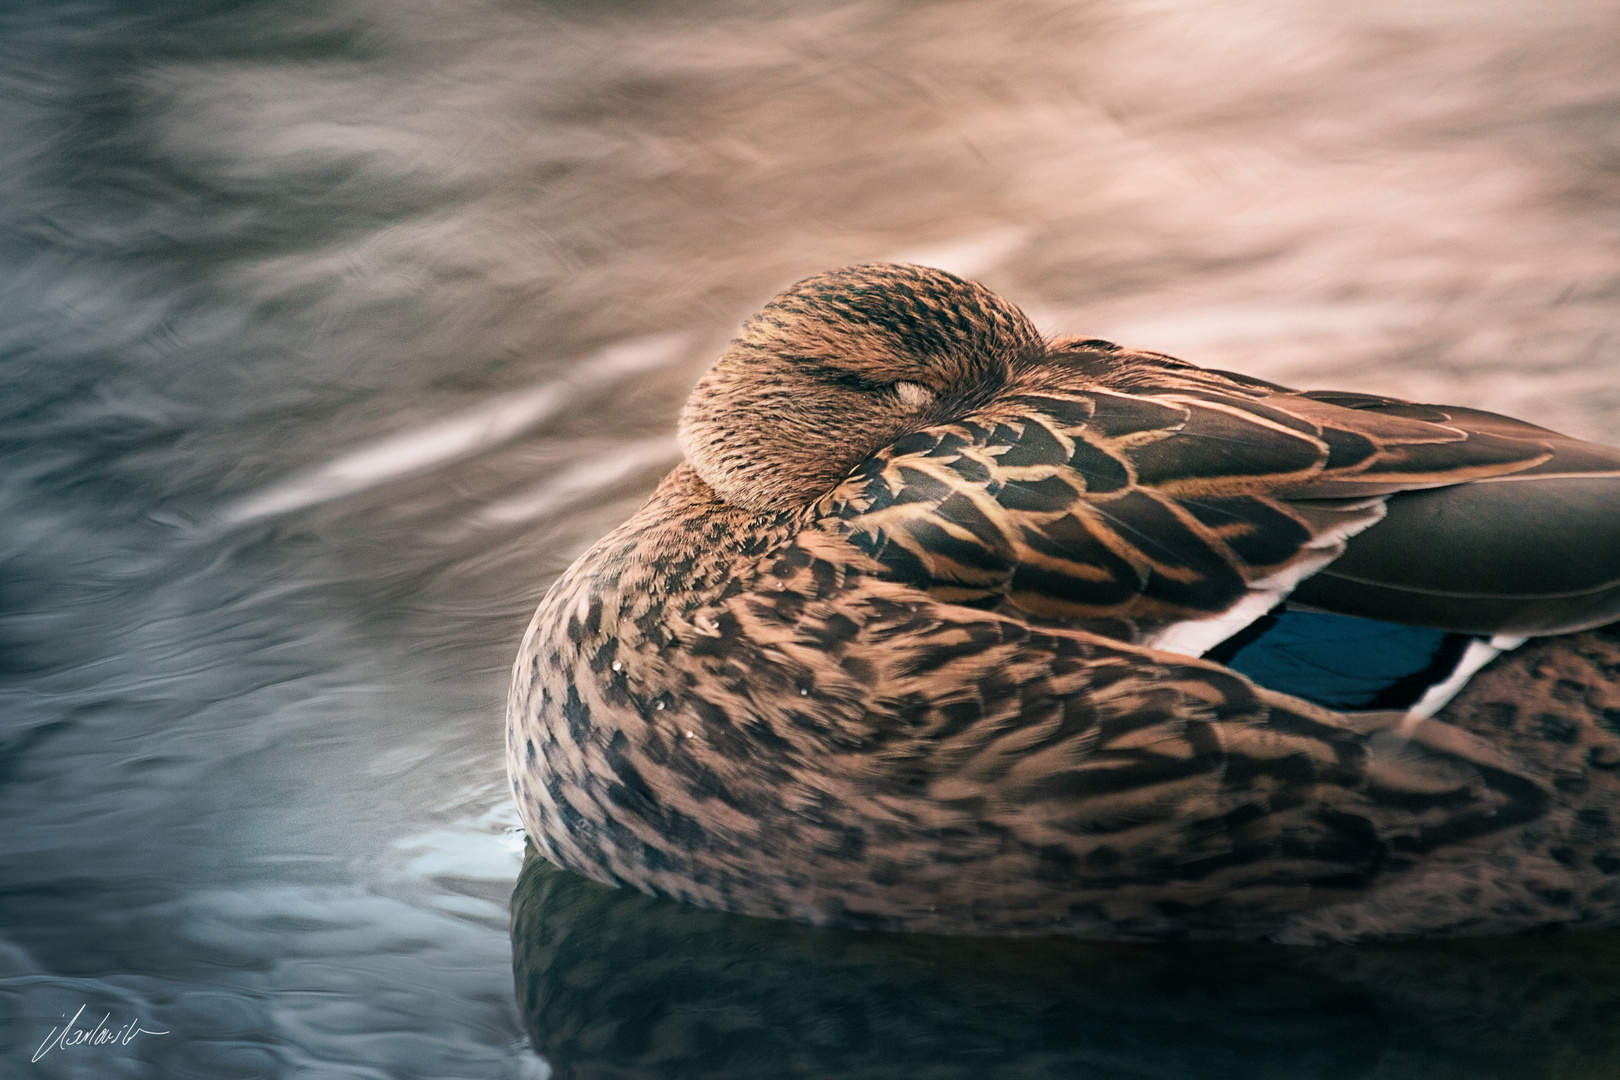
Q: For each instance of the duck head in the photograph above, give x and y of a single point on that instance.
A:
(840, 365)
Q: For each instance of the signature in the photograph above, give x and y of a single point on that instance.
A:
(100, 1035)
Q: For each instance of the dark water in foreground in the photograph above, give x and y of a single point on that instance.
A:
(329, 332)
(616, 984)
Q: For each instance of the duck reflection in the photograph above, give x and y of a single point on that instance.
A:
(613, 983)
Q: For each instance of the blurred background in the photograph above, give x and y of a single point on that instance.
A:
(331, 331)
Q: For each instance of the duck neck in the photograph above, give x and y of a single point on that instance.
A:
(704, 544)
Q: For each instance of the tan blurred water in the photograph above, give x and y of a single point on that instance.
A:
(329, 332)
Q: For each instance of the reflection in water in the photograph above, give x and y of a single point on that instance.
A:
(330, 332)
(616, 984)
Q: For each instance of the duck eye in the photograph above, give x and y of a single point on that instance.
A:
(855, 382)
(911, 394)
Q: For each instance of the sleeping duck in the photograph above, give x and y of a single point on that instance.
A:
(946, 627)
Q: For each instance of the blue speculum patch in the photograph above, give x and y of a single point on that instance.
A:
(1341, 661)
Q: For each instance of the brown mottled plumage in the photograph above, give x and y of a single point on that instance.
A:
(911, 641)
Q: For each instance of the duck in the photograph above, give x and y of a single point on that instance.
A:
(946, 627)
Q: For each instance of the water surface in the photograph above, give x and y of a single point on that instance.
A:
(330, 332)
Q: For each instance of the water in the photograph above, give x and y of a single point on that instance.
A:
(616, 984)
(332, 331)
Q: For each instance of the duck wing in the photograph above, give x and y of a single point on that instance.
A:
(1535, 551)
(1171, 507)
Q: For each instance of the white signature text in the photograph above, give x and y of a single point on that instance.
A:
(70, 1034)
